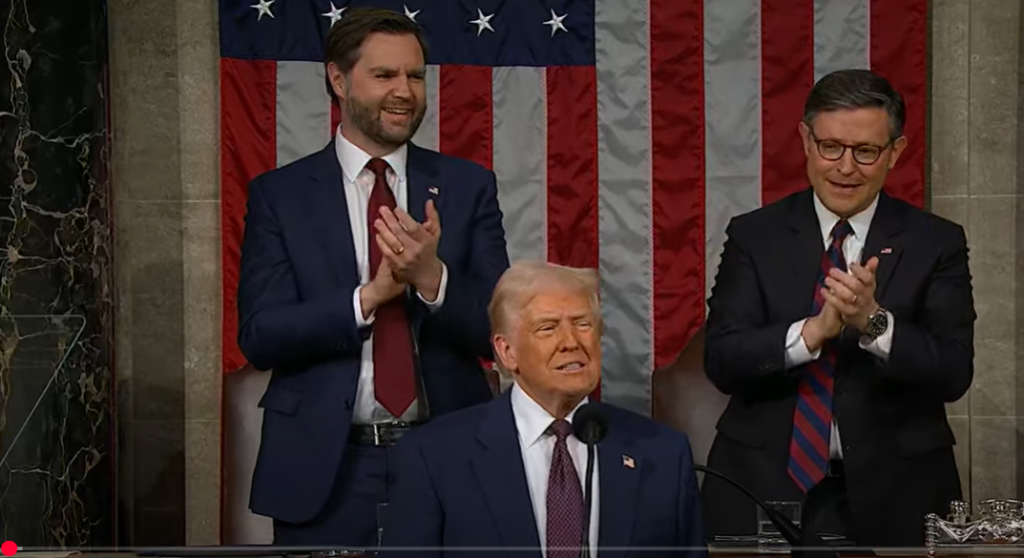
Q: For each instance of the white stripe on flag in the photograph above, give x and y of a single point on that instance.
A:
(303, 110)
(428, 134)
(519, 159)
(624, 200)
(732, 67)
(841, 38)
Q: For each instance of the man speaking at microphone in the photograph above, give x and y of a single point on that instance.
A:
(509, 474)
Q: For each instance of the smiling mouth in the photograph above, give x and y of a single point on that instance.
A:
(397, 111)
(843, 185)
(571, 367)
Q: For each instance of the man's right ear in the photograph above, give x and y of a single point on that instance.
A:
(337, 80)
(504, 353)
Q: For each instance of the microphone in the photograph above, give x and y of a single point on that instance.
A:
(590, 426)
(789, 531)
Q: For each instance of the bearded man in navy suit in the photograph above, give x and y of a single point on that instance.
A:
(372, 319)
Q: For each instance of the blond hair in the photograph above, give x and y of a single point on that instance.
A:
(526, 279)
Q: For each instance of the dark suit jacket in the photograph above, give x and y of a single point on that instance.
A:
(298, 275)
(460, 482)
(897, 443)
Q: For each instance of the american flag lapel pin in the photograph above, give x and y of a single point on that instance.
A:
(628, 462)
(887, 250)
(433, 190)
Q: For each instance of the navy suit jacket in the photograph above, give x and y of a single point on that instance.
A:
(460, 482)
(296, 316)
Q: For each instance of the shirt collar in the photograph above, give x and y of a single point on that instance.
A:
(353, 159)
(531, 419)
(860, 222)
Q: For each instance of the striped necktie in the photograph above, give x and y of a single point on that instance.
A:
(812, 418)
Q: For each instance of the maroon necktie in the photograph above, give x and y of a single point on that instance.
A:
(393, 377)
(565, 499)
(812, 418)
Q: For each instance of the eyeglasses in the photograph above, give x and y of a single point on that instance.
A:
(865, 153)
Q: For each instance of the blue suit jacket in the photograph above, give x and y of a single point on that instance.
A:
(460, 482)
(298, 275)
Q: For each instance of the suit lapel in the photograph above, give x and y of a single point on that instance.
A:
(502, 477)
(422, 176)
(884, 234)
(805, 249)
(618, 495)
(329, 213)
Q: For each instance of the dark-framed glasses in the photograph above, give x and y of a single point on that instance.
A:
(864, 153)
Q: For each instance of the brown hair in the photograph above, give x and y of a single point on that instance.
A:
(346, 36)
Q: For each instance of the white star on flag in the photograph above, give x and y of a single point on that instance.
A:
(556, 23)
(410, 15)
(334, 14)
(482, 22)
(264, 8)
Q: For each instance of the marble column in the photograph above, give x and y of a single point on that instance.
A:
(164, 70)
(976, 179)
(56, 428)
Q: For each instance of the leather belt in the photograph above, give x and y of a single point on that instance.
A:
(379, 434)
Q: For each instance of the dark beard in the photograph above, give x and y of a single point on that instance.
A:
(367, 120)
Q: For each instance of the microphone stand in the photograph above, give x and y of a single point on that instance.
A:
(587, 496)
(793, 535)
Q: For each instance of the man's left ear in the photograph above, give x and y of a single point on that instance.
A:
(897, 148)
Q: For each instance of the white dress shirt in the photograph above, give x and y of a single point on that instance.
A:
(537, 450)
(797, 352)
(358, 183)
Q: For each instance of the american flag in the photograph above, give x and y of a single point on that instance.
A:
(624, 133)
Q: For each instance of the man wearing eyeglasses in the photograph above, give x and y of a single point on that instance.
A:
(841, 322)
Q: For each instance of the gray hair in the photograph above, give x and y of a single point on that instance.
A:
(525, 279)
(853, 89)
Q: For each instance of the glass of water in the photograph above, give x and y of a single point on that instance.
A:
(768, 537)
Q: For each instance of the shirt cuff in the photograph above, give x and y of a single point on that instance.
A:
(434, 305)
(882, 345)
(358, 306)
(797, 352)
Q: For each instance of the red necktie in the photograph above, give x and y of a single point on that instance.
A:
(565, 499)
(393, 377)
(812, 418)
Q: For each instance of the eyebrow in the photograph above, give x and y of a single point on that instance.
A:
(555, 317)
(392, 70)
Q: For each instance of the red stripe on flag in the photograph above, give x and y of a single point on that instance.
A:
(248, 148)
(677, 167)
(335, 117)
(572, 166)
(898, 53)
(787, 75)
(466, 113)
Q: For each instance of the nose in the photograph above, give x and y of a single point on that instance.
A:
(401, 87)
(847, 164)
(568, 339)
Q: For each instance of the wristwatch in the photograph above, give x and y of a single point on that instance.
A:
(877, 323)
